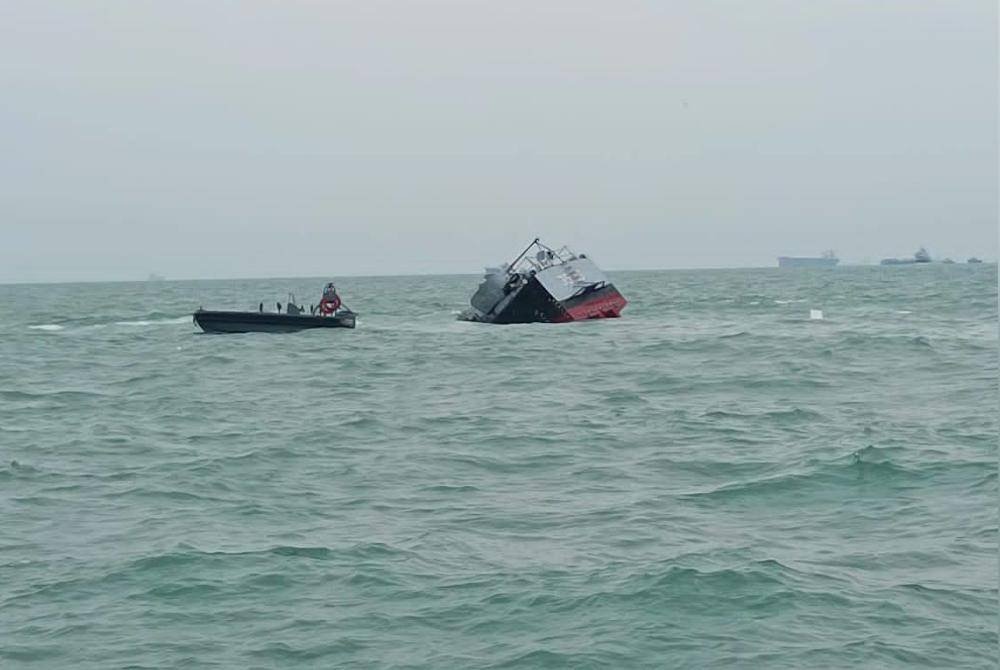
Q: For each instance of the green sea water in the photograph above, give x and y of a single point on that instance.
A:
(714, 480)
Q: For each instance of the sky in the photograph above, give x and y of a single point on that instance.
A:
(258, 138)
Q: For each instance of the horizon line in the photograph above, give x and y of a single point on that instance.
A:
(156, 279)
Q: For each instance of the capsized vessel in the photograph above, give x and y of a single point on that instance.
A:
(545, 285)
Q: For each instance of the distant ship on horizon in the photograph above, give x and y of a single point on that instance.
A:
(827, 260)
(921, 256)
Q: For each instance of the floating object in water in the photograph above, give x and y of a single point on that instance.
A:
(816, 314)
(549, 286)
(974, 261)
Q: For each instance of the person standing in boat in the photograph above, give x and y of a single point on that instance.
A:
(330, 302)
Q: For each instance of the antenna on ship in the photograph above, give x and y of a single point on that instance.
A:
(522, 255)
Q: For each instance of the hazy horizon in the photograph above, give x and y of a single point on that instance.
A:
(435, 137)
(155, 277)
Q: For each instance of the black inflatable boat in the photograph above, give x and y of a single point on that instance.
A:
(268, 322)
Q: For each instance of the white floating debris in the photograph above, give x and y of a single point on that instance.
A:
(816, 314)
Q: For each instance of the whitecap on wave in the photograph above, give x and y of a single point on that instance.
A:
(154, 322)
(50, 327)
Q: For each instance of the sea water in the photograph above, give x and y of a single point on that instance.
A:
(717, 479)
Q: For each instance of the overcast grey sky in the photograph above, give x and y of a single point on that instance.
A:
(200, 138)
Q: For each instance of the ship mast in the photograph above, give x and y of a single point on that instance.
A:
(510, 267)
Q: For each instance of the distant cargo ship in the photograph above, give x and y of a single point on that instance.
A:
(920, 257)
(827, 260)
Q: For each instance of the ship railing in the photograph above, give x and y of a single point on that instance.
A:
(543, 258)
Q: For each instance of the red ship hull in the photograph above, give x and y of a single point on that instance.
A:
(534, 304)
(606, 303)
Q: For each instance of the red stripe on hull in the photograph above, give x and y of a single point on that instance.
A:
(603, 306)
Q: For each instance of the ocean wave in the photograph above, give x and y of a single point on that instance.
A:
(16, 469)
(217, 359)
(282, 653)
(704, 481)
(86, 324)
(167, 495)
(34, 653)
(62, 395)
(320, 553)
(537, 656)
(867, 467)
(347, 554)
(791, 415)
(855, 340)
(156, 322)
